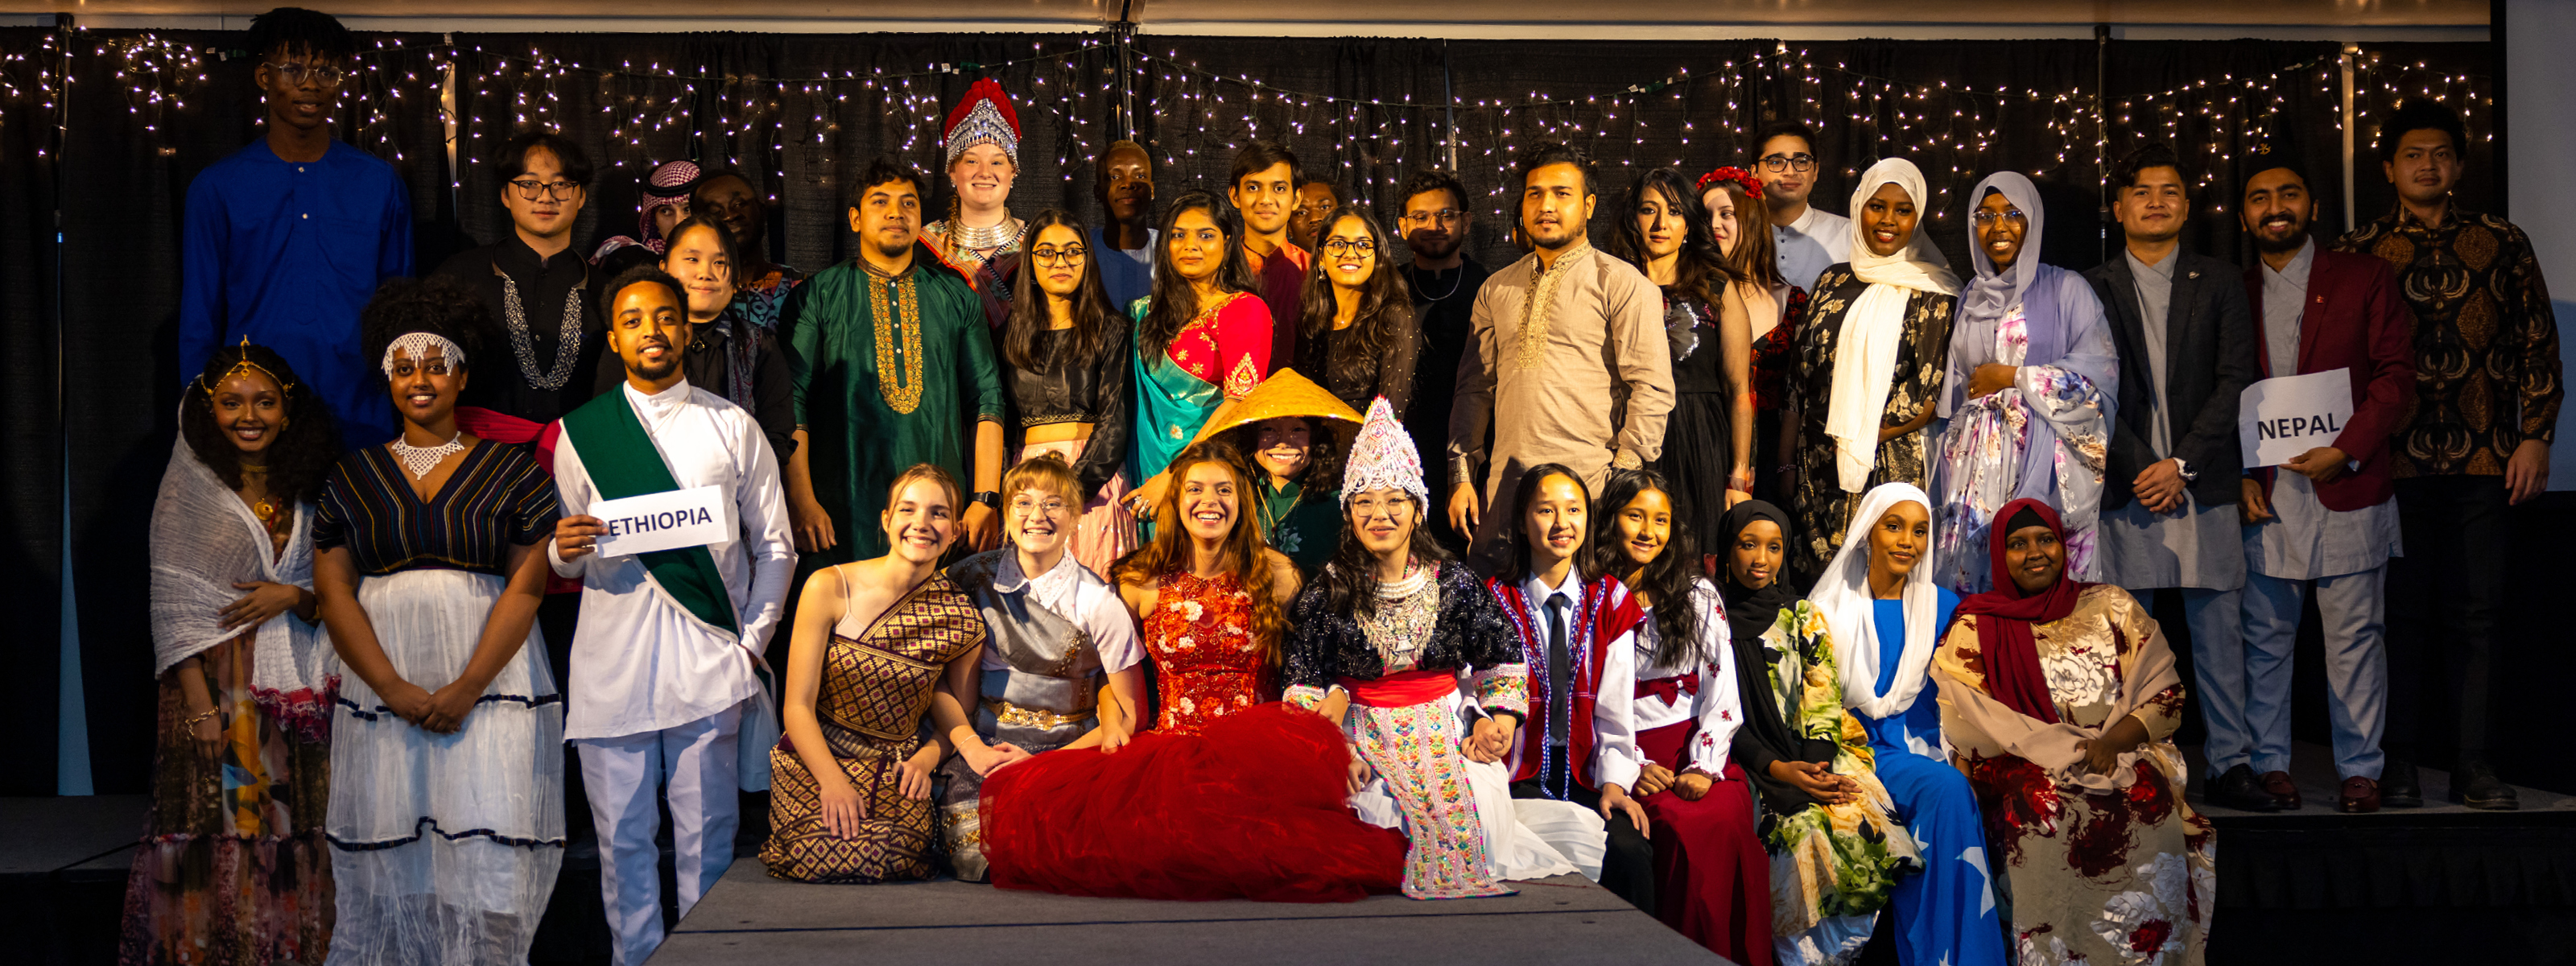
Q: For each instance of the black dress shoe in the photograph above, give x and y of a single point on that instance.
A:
(2238, 790)
(2398, 787)
(2475, 785)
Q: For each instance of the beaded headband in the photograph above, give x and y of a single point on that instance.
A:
(984, 117)
(1383, 457)
(1752, 186)
(283, 386)
(416, 345)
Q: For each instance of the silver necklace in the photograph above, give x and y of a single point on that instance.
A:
(568, 339)
(1453, 286)
(422, 459)
(983, 239)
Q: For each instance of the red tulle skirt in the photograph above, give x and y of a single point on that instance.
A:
(1252, 809)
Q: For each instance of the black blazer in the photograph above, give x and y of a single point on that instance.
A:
(2209, 360)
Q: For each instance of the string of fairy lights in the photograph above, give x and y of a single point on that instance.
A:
(806, 129)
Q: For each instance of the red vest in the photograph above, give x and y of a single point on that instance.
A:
(1601, 614)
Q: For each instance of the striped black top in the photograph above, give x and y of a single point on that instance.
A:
(497, 498)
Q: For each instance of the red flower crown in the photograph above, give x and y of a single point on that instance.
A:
(1752, 186)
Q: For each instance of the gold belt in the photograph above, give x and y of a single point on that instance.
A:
(1007, 713)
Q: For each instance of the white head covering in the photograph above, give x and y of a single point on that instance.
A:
(416, 345)
(1383, 457)
(1874, 327)
(1843, 596)
(203, 539)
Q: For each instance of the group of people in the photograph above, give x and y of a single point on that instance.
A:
(1775, 576)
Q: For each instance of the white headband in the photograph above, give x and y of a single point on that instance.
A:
(416, 346)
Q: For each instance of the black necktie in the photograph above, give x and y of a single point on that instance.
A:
(1560, 700)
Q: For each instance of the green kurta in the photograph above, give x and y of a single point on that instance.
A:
(889, 372)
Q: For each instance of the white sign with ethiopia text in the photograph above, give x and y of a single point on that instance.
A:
(2283, 417)
(664, 521)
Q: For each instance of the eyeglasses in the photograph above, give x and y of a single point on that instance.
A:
(1776, 163)
(1355, 246)
(1049, 507)
(1424, 219)
(1393, 508)
(1068, 255)
(327, 75)
(1986, 217)
(531, 188)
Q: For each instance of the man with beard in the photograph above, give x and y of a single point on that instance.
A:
(893, 366)
(287, 238)
(1263, 186)
(663, 665)
(1126, 193)
(1568, 365)
(2477, 442)
(1444, 283)
(761, 285)
(536, 284)
(2327, 518)
(2185, 337)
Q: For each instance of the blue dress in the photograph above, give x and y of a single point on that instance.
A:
(1947, 916)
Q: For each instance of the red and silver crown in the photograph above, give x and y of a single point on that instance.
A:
(1384, 457)
(984, 117)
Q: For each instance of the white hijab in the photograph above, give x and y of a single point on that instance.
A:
(1843, 596)
(1873, 329)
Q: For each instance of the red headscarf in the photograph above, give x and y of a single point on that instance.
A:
(2004, 617)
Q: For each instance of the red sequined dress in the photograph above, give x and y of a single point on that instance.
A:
(1232, 795)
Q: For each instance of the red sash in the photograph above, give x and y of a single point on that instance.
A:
(1403, 689)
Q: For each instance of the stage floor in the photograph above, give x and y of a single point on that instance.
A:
(2312, 768)
(751, 917)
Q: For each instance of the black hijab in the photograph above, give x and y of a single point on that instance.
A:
(1767, 734)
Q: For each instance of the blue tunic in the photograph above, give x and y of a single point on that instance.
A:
(286, 254)
(1947, 915)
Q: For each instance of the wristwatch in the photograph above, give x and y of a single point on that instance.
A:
(2185, 469)
(986, 497)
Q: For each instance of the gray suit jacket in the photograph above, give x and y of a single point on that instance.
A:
(2209, 360)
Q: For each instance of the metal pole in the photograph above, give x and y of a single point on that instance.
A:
(2351, 53)
(447, 114)
(2102, 131)
(1449, 97)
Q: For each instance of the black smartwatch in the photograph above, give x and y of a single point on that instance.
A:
(986, 497)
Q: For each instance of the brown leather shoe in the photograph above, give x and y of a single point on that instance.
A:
(2282, 789)
(2360, 796)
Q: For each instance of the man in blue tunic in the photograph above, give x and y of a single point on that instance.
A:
(287, 238)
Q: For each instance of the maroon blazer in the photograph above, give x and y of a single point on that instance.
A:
(2356, 321)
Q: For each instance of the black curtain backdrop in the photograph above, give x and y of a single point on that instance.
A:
(801, 114)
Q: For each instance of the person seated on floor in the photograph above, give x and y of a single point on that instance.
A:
(1233, 794)
(2059, 699)
(850, 785)
(1667, 711)
(1056, 630)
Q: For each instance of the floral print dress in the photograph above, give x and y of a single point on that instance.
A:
(1833, 867)
(1209, 662)
(2127, 877)
(1989, 445)
(1823, 509)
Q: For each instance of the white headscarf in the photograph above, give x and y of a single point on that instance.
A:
(1873, 329)
(204, 539)
(1843, 596)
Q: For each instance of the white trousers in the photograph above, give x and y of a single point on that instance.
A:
(695, 765)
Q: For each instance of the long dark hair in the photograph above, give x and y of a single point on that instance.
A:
(1701, 269)
(1175, 303)
(1669, 580)
(1092, 313)
(1243, 553)
(1350, 578)
(303, 452)
(1525, 493)
(1381, 296)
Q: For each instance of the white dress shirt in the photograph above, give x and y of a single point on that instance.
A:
(640, 661)
(1619, 715)
(1816, 241)
(1079, 596)
(1535, 592)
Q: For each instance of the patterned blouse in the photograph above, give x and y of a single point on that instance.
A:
(2486, 342)
(1468, 632)
(1210, 664)
(497, 499)
(1823, 507)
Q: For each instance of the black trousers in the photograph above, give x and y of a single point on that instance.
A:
(1628, 867)
(2445, 599)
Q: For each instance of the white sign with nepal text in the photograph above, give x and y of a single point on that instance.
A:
(2283, 417)
(668, 520)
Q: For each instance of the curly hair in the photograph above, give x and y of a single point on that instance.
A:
(437, 305)
(1241, 552)
(301, 455)
(288, 31)
(1668, 579)
(1382, 294)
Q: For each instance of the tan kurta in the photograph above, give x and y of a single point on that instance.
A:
(1581, 375)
